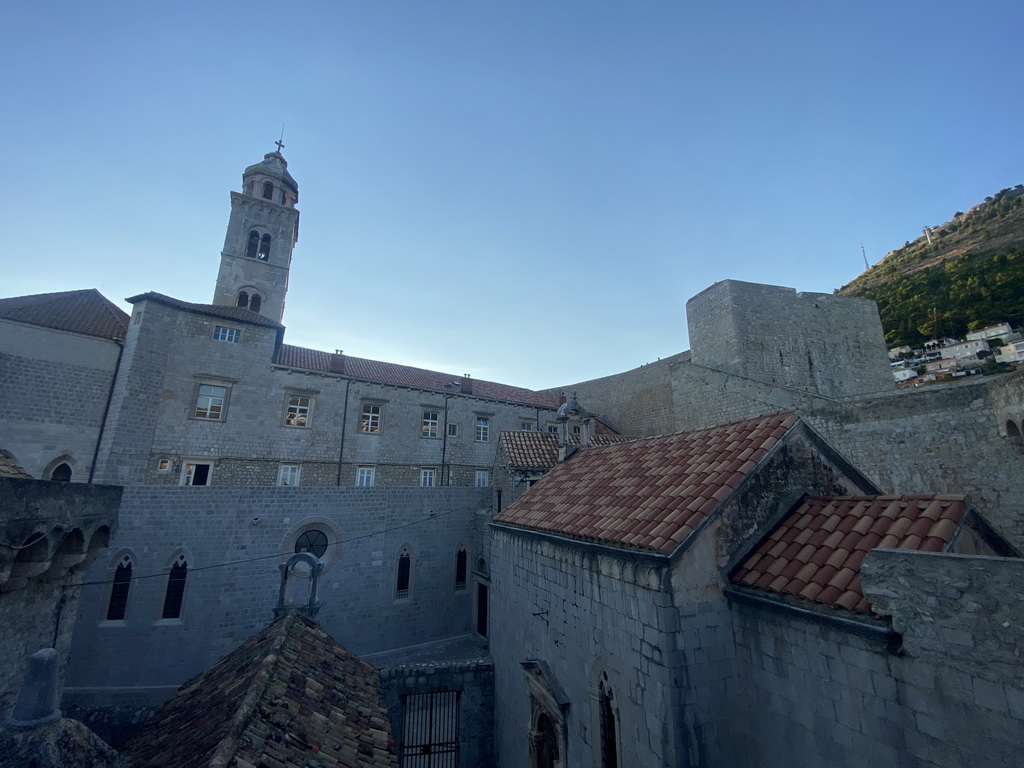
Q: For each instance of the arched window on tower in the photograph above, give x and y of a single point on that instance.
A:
(255, 302)
(253, 245)
(175, 588)
(62, 473)
(268, 191)
(264, 252)
(243, 300)
(119, 590)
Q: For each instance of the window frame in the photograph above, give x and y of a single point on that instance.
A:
(301, 412)
(403, 592)
(371, 421)
(453, 429)
(195, 409)
(483, 429)
(292, 468)
(363, 472)
(226, 333)
(430, 427)
(428, 473)
(186, 475)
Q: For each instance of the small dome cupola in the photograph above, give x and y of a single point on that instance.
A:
(270, 180)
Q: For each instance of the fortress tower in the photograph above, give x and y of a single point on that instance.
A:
(262, 231)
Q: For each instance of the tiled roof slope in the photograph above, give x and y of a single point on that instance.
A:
(539, 450)
(9, 466)
(650, 493)
(87, 312)
(392, 373)
(816, 551)
(215, 310)
(289, 696)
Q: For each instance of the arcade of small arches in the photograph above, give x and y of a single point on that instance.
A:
(268, 192)
(248, 300)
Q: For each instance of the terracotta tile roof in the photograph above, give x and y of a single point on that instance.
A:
(816, 551)
(87, 312)
(289, 696)
(392, 373)
(9, 466)
(214, 310)
(650, 493)
(539, 450)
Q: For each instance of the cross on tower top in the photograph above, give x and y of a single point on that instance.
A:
(280, 145)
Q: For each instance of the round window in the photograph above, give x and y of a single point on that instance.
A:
(313, 541)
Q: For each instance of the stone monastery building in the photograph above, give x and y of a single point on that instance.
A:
(753, 552)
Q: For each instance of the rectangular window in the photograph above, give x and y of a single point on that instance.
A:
(453, 430)
(370, 422)
(296, 413)
(288, 474)
(429, 428)
(196, 473)
(163, 465)
(210, 402)
(526, 426)
(483, 478)
(364, 476)
(220, 333)
(428, 477)
(483, 427)
(553, 428)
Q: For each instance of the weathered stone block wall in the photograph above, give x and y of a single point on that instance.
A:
(233, 539)
(474, 681)
(816, 342)
(637, 402)
(50, 533)
(817, 694)
(582, 613)
(53, 390)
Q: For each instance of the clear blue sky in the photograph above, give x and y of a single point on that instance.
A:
(525, 191)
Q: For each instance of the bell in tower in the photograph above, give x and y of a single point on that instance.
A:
(262, 231)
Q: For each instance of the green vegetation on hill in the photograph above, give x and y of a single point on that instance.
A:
(971, 275)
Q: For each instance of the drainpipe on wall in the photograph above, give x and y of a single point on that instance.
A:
(106, 410)
(344, 422)
(444, 444)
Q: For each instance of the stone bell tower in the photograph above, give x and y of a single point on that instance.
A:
(262, 231)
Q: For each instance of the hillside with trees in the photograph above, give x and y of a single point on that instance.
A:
(965, 274)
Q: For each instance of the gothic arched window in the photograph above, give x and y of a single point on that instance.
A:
(255, 302)
(460, 569)
(175, 588)
(253, 245)
(243, 299)
(119, 591)
(62, 473)
(268, 191)
(1012, 430)
(264, 252)
(404, 579)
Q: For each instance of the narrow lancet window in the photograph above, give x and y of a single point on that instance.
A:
(175, 588)
(268, 191)
(119, 590)
(255, 302)
(404, 574)
(243, 299)
(62, 473)
(460, 569)
(264, 252)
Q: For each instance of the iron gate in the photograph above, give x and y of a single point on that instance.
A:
(430, 730)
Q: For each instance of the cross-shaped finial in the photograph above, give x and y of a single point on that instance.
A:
(280, 145)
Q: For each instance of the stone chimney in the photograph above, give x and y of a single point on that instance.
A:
(467, 384)
(337, 362)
